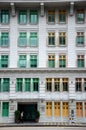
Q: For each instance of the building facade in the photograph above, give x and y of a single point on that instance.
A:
(43, 60)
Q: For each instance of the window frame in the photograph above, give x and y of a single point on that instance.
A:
(25, 22)
(80, 61)
(62, 58)
(80, 10)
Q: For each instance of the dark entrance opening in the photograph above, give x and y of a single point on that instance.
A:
(29, 111)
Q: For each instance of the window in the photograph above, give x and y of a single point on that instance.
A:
(4, 16)
(33, 16)
(22, 61)
(57, 109)
(4, 61)
(78, 84)
(80, 16)
(62, 61)
(4, 39)
(5, 109)
(80, 60)
(84, 85)
(51, 16)
(51, 61)
(22, 16)
(62, 38)
(48, 108)
(6, 85)
(79, 109)
(56, 84)
(0, 85)
(65, 109)
(62, 16)
(65, 84)
(33, 39)
(80, 38)
(51, 39)
(48, 84)
(33, 61)
(35, 84)
(85, 108)
(22, 40)
(19, 84)
(27, 84)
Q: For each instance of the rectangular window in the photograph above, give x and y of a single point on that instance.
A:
(62, 61)
(84, 85)
(80, 61)
(56, 84)
(5, 109)
(4, 39)
(33, 16)
(62, 38)
(35, 84)
(62, 16)
(22, 40)
(51, 39)
(85, 108)
(4, 61)
(57, 109)
(5, 16)
(80, 38)
(65, 109)
(78, 84)
(22, 61)
(65, 84)
(22, 16)
(6, 85)
(27, 84)
(48, 84)
(79, 109)
(51, 61)
(0, 84)
(51, 16)
(33, 61)
(19, 84)
(80, 16)
(48, 108)
(33, 39)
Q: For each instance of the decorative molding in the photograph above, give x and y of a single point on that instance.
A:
(13, 9)
(42, 9)
(71, 8)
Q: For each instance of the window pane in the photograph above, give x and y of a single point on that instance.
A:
(35, 84)
(4, 61)
(22, 16)
(4, 16)
(33, 39)
(33, 17)
(22, 61)
(51, 16)
(4, 39)
(19, 84)
(6, 85)
(33, 61)
(27, 84)
(22, 40)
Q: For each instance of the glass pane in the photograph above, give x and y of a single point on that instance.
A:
(23, 17)
(33, 17)
(4, 16)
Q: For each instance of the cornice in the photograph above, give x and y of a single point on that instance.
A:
(45, 1)
(44, 70)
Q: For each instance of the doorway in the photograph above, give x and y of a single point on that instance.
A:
(29, 111)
